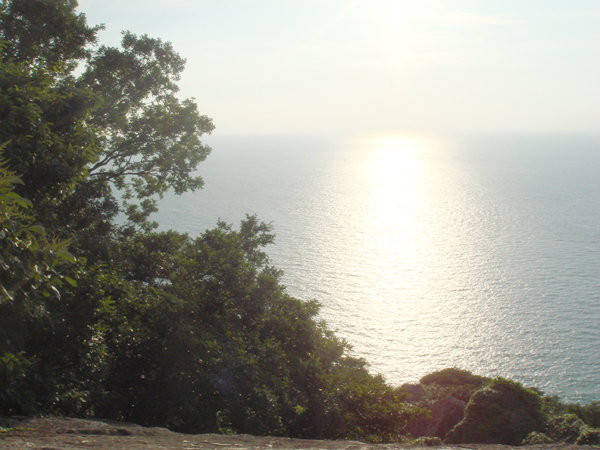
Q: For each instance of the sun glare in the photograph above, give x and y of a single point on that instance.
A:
(394, 169)
(395, 156)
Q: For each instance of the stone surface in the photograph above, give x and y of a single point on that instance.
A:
(65, 434)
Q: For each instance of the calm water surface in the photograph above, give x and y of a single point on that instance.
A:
(481, 253)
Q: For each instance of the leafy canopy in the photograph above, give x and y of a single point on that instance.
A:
(197, 334)
(118, 124)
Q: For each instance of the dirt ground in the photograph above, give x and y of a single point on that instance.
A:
(71, 434)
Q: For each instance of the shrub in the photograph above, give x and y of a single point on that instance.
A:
(425, 441)
(502, 413)
(453, 377)
(536, 438)
(565, 428)
(589, 436)
(458, 383)
(589, 413)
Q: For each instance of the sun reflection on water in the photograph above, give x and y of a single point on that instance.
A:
(413, 252)
(394, 172)
(390, 176)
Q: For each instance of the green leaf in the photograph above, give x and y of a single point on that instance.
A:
(15, 180)
(24, 203)
(38, 229)
(63, 254)
(71, 281)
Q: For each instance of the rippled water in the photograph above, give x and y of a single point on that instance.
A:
(480, 253)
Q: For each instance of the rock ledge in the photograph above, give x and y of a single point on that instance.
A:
(78, 434)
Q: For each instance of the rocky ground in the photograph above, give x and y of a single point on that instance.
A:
(71, 434)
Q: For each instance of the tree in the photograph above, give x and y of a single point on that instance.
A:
(217, 344)
(75, 137)
(29, 261)
(117, 124)
(197, 334)
(44, 34)
(151, 138)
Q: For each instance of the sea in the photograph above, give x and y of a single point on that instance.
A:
(427, 251)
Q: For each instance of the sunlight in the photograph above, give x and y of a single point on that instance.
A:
(394, 160)
(394, 172)
(393, 17)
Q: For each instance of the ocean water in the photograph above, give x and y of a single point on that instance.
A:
(429, 252)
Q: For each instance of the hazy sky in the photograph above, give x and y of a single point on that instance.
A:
(348, 66)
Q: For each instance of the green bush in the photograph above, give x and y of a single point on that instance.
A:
(565, 428)
(504, 412)
(536, 438)
(453, 377)
(425, 441)
(458, 383)
(589, 413)
(589, 436)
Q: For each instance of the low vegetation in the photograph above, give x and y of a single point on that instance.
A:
(500, 411)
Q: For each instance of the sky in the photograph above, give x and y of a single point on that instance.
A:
(363, 66)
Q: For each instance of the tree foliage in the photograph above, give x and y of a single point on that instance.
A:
(29, 267)
(197, 334)
(28, 258)
(44, 34)
(151, 139)
(119, 124)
